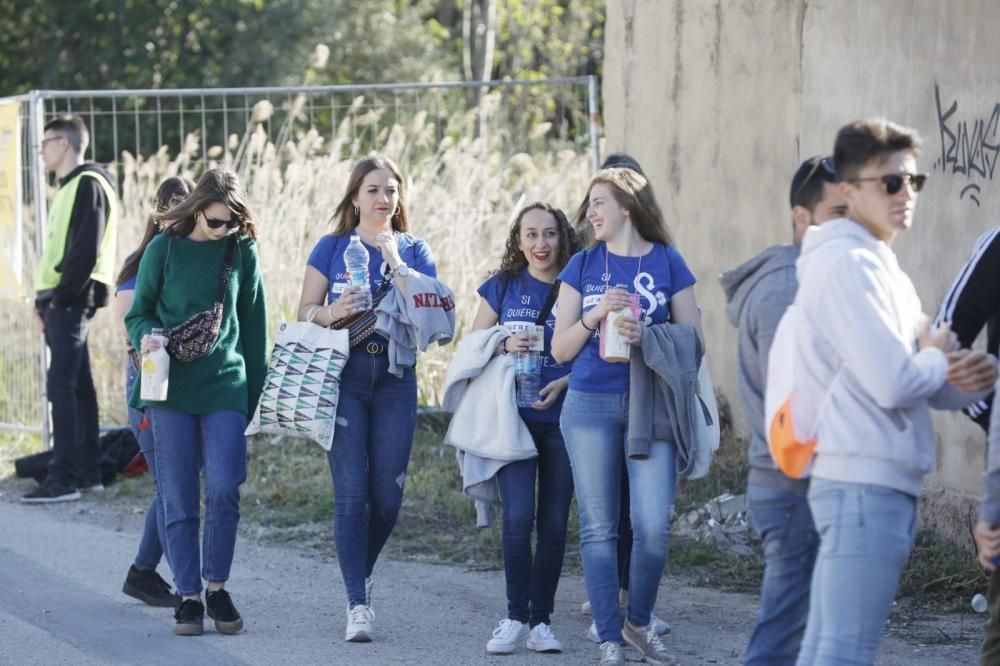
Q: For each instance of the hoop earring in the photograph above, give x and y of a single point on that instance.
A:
(357, 212)
(395, 212)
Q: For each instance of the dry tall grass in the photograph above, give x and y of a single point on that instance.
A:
(462, 192)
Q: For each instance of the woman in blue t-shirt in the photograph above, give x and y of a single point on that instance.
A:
(540, 243)
(631, 246)
(142, 581)
(377, 411)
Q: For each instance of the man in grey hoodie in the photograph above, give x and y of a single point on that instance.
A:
(758, 292)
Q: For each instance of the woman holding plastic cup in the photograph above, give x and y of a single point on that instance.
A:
(632, 273)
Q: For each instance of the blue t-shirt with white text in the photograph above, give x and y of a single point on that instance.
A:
(523, 298)
(656, 277)
(328, 258)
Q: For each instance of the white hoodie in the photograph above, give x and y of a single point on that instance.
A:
(857, 362)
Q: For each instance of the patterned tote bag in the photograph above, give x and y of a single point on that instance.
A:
(302, 387)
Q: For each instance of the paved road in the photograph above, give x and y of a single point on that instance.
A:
(60, 603)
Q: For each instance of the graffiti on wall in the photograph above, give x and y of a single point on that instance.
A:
(969, 146)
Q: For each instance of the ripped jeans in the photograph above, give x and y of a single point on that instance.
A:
(376, 417)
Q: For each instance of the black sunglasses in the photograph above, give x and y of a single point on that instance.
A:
(892, 183)
(212, 223)
(829, 175)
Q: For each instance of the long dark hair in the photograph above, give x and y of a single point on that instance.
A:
(514, 261)
(214, 186)
(622, 160)
(633, 193)
(345, 219)
(171, 192)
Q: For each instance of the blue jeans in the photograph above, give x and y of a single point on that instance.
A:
(784, 523)
(376, 417)
(153, 537)
(531, 584)
(70, 388)
(866, 535)
(595, 427)
(185, 444)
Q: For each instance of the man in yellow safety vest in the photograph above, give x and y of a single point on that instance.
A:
(71, 281)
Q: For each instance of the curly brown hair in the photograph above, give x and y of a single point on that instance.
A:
(514, 261)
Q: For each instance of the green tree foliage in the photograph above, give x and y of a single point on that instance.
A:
(107, 44)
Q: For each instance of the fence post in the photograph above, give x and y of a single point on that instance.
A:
(36, 115)
(594, 121)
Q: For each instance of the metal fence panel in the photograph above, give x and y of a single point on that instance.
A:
(466, 168)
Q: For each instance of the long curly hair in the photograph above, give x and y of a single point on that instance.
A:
(514, 261)
(171, 192)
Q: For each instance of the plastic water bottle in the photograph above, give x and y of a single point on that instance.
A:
(528, 377)
(356, 262)
(155, 380)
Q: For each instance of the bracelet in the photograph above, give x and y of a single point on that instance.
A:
(503, 346)
(311, 312)
(584, 324)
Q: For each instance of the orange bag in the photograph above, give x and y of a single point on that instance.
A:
(791, 442)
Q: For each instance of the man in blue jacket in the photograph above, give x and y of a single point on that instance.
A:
(758, 292)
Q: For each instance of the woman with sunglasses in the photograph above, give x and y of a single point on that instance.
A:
(377, 410)
(540, 243)
(631, 247)
(142, 581)
(207, 255)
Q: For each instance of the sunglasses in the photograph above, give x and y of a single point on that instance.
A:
(829, 174)
(212, 223)
(892, 183)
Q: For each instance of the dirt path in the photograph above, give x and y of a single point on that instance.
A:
(61, 569)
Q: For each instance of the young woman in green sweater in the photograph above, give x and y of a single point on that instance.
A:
(199, 427)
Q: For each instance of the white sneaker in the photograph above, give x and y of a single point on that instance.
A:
(360, 624)
(611, 654)
(541, 639)
(592, 633)
(660, 627)
(585, 608)
(506, 637)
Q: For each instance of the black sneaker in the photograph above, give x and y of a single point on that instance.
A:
(221, 609)
(190, 616)
(50, 493)
(149, 588)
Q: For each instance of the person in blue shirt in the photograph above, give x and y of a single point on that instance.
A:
(142, 581)
(540, 243)
(377, 411)
(631, 247)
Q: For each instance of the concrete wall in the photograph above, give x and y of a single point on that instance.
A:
(720, 100)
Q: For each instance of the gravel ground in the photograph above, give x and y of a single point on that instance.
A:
(62, 566)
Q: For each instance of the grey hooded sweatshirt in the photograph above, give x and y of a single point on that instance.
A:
(757, 294)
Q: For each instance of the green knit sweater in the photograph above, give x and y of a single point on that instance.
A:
(172, 286)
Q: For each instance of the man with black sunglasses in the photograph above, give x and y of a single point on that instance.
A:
(71, 283)
(758, 292)
(868, 368)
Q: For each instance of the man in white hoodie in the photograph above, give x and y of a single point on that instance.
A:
(757, 294)
(867, 371)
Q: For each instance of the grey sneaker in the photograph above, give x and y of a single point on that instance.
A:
(649, 645)
(611, 654)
